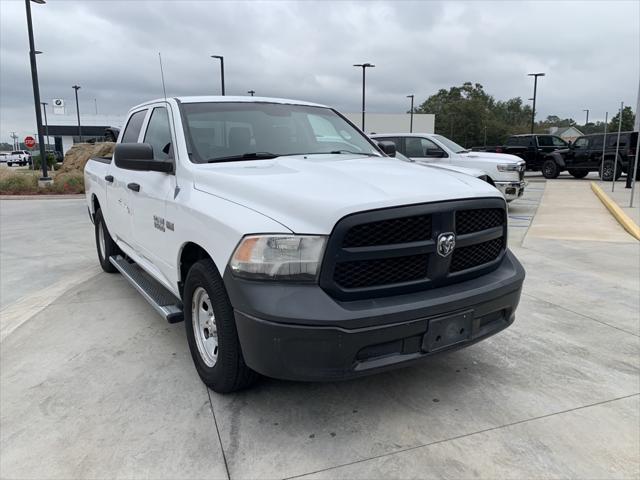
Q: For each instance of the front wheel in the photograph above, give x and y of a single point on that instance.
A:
(9, 164)
(578, 173)
(606, 170)
(104, 243)
(211, 331)
(550, 169)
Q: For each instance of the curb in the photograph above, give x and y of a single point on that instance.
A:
(623, 219)
(62, 196)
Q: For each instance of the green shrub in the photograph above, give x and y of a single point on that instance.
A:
(51, 161)
(72, 182)
(17, 183)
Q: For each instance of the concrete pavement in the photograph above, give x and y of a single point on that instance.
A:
(96, 385)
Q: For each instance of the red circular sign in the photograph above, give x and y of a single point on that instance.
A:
(29, 142)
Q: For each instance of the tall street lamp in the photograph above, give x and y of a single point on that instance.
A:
(36, 89)
(76, 88)
(251, 92)
(221, 58)
(46, 124)
(586, 110)
(364, 67)
(535, 88)
(411, 121)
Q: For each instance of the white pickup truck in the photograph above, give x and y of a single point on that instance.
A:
(18, 157)
(292, 246)
(504, 171)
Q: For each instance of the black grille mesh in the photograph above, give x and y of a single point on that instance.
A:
(388, 232)
(385, 271)
(469, 221)
(475, 255)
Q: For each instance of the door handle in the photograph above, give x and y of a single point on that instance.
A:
(133, 186)
(109, 178)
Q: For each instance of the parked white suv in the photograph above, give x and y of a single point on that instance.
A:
(505, 171)
(292, 246)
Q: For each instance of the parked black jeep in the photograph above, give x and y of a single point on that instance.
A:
(586, 155)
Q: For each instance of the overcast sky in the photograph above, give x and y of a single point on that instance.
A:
(589, 50)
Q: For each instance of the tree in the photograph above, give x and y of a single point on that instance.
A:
(627, 120)
(463, 113)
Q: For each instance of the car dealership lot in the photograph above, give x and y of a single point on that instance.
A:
(95, 384)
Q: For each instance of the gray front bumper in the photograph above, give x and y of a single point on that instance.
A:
(511, 190)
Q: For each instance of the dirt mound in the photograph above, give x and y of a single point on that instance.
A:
(77, 156)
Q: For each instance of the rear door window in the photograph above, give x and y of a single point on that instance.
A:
(132, 130)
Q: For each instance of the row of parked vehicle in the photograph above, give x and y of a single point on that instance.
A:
(25, 157)
(589, 153)
(17, 157)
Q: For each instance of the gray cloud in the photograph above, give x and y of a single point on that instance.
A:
(589, 50)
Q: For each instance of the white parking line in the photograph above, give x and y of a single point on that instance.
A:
(14, 315)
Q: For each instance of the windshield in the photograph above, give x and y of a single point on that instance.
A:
(224, 131)
(450, 144)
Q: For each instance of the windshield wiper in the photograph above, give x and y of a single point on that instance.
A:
(245, 156)
(344, 152)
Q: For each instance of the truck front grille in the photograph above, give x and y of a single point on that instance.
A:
(389, 232)
(469, 221)
(393, 251)
(474, 255)
(370, 273)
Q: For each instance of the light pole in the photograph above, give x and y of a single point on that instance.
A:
(535, 89)
(46, 124)
(76, 88)
(36, 88)
(364, 67)
(586, 110)
(221, 58)
(411, 121)
(251, 92)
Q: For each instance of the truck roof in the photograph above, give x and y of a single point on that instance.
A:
(230, 98)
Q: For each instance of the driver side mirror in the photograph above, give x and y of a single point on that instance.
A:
(139, 156)
(388, 147)
(434, 153)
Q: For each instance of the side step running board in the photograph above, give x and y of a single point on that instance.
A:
(165, 303)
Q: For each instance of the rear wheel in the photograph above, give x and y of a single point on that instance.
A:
(579, 173)
(211, 331)
(606, 170)
(104, 243)
(550, 169)
(9, 164)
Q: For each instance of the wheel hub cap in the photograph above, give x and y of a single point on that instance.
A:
(204, 326)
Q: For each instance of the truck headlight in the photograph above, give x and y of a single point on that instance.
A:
(508, 167)
(279, 257)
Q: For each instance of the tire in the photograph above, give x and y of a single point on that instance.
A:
(105, 245)
(579, 173)
(219, 362)
(606, 171)
(9, 164)
(550, 169)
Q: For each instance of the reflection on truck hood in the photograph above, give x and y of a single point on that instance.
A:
(309, 195)
(493, 157)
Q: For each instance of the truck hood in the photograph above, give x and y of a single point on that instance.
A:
(310, 194)
(492, 157)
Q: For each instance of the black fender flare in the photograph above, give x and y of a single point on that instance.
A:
(556, 157)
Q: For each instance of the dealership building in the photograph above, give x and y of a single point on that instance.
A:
(63, 132)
